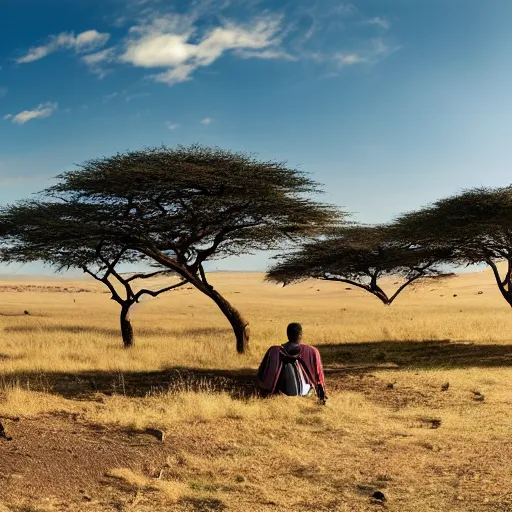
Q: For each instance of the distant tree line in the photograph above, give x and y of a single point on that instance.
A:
(173, 210)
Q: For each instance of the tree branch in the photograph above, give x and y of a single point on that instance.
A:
(148, 275)
(140, 293)
(104, 280)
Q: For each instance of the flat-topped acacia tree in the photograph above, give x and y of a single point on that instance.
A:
(476, 224)
(185, 206)
(360, 256)
(66, 235)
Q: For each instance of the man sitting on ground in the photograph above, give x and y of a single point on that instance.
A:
(294, 369)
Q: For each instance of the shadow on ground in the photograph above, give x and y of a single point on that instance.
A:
(339, 360)
(86, 384)
(417, 354)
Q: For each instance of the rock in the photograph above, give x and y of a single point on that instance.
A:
(348, 288)
(480, 293)
(445, 387)
(379, 496)
(390, 385)
(436, 423)
(455, 295)
(26, 312)
(477, 396)
(3, 435)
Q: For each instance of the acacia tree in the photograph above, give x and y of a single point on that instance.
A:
(360, 256)
(186, 206)
(475, 224)
(64, 236)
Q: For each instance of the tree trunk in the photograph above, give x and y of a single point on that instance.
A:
(381, 296)
(238, 323)
(126, 326)
(506, 292)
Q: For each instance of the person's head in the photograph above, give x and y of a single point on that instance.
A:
(294, 332)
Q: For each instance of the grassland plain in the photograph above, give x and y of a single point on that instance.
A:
(78, 406)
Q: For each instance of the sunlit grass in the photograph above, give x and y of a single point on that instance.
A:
(66, 357)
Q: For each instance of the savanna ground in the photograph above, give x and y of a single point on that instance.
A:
(78, 406)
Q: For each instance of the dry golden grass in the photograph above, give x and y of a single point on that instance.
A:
(222, 452)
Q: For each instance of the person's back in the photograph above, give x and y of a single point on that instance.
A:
(293, 368)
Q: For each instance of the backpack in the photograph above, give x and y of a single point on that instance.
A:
(291, 380)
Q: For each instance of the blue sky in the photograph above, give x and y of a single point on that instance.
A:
(389, 103)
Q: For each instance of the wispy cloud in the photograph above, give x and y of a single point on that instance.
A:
(207, 121)
(379, 21)
(176, 47)
(137, 95)
(349, 59)
(97, 61)
(172, 126)
(172, 47)
(41, 111)
(87, 41)
(371, 54)
(111, 96)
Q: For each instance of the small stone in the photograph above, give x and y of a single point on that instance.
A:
(379, 496)
(445, 387)
(3, 434)
(390, 385)
(155, 432)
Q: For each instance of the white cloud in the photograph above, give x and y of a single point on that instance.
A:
(267, 54)
(380, 22)
(87, 41)
(96, 61)
(349, 59)
(41, 111)
(371, 54)
(93, 59)
(164, 43)
(90, 40)
(172, 126)
(207, 121)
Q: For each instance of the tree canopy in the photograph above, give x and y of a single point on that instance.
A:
(185, 206)
(476, 224)
(360, 256)
(66, 235)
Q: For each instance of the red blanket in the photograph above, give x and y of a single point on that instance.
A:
(309, 359)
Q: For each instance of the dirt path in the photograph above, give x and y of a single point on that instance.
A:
(57, 458)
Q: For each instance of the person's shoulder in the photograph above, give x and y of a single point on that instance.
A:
(310, 349)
